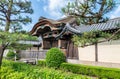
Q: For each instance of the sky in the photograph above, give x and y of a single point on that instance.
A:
(52, 9)
(46, 8)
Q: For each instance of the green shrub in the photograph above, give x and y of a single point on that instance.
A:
(16, 66)
(100, 72)
(10, 55)
(42, 63)
(58, 74)
(24, 71)
(54, 57)
(43, 73)
(5, 71)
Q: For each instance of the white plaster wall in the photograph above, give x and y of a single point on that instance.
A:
(87, 53)
(107, 52)
(5, 52)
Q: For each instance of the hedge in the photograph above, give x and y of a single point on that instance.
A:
(100, 72)
(41, 63)
(43, 73)
(34, 72)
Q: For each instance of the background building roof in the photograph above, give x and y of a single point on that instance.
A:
(109, 25)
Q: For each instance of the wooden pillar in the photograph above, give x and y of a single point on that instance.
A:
(67, 50)
(38, 48)
(96, 52)
(73, 50)
(70, 51)
(51, 44)
(59, 43)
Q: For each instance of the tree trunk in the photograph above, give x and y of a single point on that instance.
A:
(8, 14)
(1, 54)
(7, 26)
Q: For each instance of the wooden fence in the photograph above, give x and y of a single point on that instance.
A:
(33, 54)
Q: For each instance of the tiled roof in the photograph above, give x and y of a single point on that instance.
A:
(109, 25)
(44, 21)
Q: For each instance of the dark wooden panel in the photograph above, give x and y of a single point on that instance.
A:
(55, 44)
(72, 51)
(46, 45)
(49, 44)
(63, 44)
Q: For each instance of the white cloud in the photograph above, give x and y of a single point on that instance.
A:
(115, 13)
(53, 7)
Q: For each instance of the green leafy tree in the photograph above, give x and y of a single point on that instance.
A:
(14, 13)
(16, 27)
(11, 41)
(90, 11)
(90, 38)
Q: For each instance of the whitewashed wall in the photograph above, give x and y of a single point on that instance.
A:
(87, 53)
(5, 53)
(107, 52)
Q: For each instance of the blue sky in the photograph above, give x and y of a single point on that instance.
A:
(52, 9)
(46, 8)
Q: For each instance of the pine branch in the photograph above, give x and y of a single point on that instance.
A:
(110, 38)
(83, 16)
(3, 9)
(6, 45)
(2, 15)
(17, 20)
(2, 19)
(19, 11)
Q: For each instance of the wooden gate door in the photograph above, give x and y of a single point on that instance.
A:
(72, 50)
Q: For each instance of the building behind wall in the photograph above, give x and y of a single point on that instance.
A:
(49, 29)
(55, 33)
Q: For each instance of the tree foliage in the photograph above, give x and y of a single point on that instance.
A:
(11, 41)
(88, 38)
(14, 13)
(93, 37)
(90, 11)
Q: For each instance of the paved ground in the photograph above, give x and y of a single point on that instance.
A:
(110, 65)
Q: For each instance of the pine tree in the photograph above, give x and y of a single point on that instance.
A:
(14, 11)
(90, 11)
